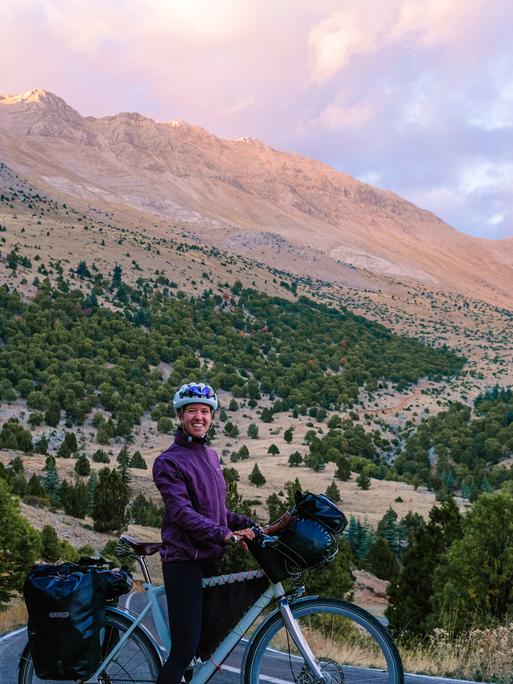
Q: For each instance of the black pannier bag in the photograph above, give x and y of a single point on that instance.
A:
(224, 603)
(66, 611)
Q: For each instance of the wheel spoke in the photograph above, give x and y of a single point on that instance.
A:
(349, 646)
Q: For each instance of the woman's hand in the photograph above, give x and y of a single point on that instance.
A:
(246, 533)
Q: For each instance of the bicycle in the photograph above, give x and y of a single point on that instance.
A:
(309, 639)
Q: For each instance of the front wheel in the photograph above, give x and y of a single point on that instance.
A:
(137, 662)
(349, 645)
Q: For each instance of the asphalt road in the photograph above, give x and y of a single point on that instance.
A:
(12, 644)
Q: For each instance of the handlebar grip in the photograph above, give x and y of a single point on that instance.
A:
(233, 539)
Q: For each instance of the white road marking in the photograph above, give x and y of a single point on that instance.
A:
(265, 678)
(11, 634)
(129, 599)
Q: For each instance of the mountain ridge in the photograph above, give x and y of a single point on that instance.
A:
(222, 188)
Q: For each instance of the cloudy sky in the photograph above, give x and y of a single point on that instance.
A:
(414, 96)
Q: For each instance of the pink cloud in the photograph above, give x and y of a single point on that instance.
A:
(405, 91)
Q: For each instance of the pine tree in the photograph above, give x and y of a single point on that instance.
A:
(474, 580)
(360, 537)
(69, 445)
(137, 461)
(53, 414)
(381, 560)
(20, 544)
(267, 415)
(231, 429)
(288, 434)
(315, 461)
(231, 475)
(110, 500)
(41, 446)
(291, 488)
(101, 456)
(145, 512)
(273, 450)
(51, 546)
(295, 459)
(51, 484)
(75, 499)
(343, 470)
(253, 431)
(123, 460)
(82, 465)
(16, 465)
(275, 506)
(363, 480)
(243, 453)
(333, 492)
(389, 529)
(34, 486)
(410, 607)
(256, 477)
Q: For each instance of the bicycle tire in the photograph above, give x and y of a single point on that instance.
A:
(137, 662)
(348, 643)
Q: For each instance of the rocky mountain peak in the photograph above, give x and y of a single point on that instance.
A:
(183, 173)
(41, 113)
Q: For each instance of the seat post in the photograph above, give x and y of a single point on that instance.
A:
(144, 568)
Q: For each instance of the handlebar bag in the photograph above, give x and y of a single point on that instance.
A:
(320, 508)
(66, 609)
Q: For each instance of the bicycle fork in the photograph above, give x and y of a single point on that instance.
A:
(295, 632)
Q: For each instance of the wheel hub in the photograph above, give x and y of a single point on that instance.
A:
(332, 672)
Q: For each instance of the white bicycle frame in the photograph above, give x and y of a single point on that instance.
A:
(213, 664)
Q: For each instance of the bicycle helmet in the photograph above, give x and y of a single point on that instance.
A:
(195, 393)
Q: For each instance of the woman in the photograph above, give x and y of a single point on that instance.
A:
(196, 523)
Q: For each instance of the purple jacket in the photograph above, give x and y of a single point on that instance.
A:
(196, 521)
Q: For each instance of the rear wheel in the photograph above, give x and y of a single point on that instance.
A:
(137, 662)
(349, 645)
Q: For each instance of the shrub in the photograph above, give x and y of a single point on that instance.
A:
(137, 461)
(256, 477)
(164, 424)
(101, 456)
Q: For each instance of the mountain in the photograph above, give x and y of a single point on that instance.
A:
(245, 196)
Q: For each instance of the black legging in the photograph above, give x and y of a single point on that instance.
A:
(182, 580)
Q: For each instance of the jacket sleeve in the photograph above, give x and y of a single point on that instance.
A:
(236, 521)
(171, 485)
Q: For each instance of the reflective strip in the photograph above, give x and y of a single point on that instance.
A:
(232, 577)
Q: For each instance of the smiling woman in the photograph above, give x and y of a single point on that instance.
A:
(196, 523)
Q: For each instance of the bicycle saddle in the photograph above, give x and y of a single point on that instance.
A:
(141, 548)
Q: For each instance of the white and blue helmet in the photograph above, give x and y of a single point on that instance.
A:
(195, 393)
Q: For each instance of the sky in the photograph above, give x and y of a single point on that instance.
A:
(413, 96)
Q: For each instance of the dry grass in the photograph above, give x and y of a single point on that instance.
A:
(480, 654)
(14, 616)
(334, 638)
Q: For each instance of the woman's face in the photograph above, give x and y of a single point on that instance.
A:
(196, 419)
